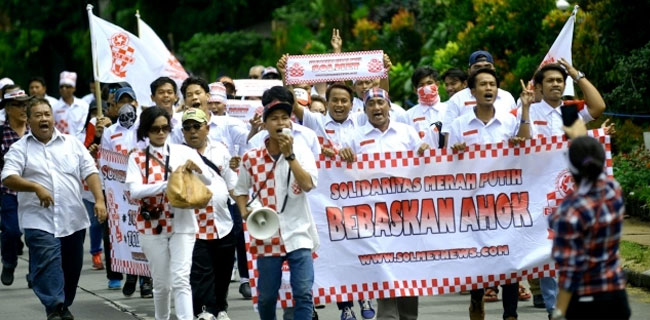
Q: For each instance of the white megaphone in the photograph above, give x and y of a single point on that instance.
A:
(262, 223)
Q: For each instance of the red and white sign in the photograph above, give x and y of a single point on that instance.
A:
(126, 254)
(396, 224)
(361, 65)
(254, 88)
(244, 109)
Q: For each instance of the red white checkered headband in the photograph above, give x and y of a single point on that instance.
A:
(374, 93)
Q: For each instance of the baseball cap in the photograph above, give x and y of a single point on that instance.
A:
(122, 91)
(476, 55)
(195, 114)
(276, 105)
(270, 70)
(14, 95)
(375, 92)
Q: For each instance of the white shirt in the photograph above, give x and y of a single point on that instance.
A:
(305, 135)
(422, 118)
(120, 139)
(184, 220)
(547, 121)
(463, 102)
(471, 130)
(396, 112)
(51, 100)
(218, 154)
(297, 227)
(71, 119)
(231, 135)
(398, 137)
(328, 131)
(58, 166)
(88, 98)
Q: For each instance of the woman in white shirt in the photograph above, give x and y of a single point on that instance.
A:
(166, 233)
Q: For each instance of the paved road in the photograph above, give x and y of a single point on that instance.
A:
(95, 301)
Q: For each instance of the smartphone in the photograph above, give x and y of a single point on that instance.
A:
(569, 114)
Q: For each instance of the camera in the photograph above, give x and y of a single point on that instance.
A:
(150, 213)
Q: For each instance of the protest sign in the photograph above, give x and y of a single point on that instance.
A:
(396, 224)
(254, 88)
(244, 109)
(126, 254)
(315, 68)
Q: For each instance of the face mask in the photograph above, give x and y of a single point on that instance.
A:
(428, 95)
(126, 116)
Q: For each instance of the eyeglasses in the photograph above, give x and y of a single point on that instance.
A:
(158, 129)
(195, 126)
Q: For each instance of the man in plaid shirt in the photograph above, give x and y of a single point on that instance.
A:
(587, 228)
(14, 101)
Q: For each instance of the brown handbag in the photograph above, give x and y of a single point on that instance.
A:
(186, 191)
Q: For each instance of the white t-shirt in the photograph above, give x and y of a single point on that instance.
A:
(463, 102)
(422, 118)
(471, 130)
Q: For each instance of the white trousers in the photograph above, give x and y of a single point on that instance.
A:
(170, 262)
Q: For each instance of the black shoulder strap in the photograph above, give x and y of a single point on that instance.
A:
(210, 164)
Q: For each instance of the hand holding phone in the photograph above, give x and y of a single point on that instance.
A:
(569, 114)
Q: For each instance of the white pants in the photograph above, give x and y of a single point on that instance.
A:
(170, 262)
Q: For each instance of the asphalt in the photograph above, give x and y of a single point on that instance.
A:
(95, 301)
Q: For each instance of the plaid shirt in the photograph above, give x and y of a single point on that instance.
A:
(9, 136)
(587, 234)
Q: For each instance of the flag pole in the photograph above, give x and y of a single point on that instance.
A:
(137, 15)
(93, 47)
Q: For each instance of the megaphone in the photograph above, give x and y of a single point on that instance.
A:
(262, 223)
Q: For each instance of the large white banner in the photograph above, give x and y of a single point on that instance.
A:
(397, 224)
(561, 48)
(119, 56)
(315, 68)
(126, 254)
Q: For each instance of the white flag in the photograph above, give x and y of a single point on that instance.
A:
(121, 56)
(561, 48)
(173, 68)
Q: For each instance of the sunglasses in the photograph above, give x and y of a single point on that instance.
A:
(158, 129)
(195, 126)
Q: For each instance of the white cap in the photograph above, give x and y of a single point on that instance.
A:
(68, 78)
(5, 82)
(217, 93)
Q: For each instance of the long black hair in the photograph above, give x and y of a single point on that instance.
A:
(588, 157)
(148, 117)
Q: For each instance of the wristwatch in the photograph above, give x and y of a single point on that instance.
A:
(290, 157)
(579, 76)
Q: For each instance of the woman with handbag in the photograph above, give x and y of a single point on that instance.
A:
(166, 232)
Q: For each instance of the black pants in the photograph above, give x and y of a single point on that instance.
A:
(604, 305)
(240, 242)
(510, 297)
(212, 262)
(110, 274)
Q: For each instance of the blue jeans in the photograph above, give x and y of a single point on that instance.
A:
(301, 267)
(55, 265)
(548, 285)
(9, 231)
(95, 228)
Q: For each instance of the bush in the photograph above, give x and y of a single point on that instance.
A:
(632, 170)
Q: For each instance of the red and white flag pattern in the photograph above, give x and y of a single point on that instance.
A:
(561, 48)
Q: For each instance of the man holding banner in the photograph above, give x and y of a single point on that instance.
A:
(381, 134)
(280, 175)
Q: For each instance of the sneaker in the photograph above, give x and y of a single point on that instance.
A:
(222, 315)
(538, 301)
(476, 309)
(347, 314)
(7, 276)
(314, 314)
(367, 312)
(146, 289)
(66, 314)
(97, 261)
(54, 316)
(206, 316)
(129, 285)
(245, 290)
(114, 284)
